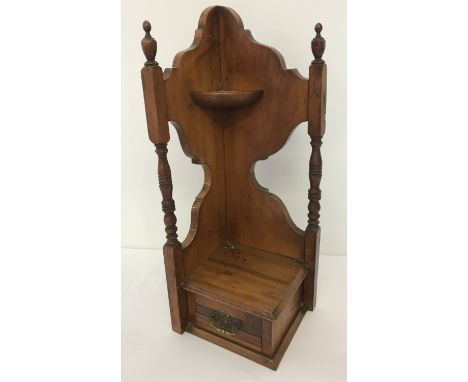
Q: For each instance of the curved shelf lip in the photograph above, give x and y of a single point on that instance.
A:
(226, 99)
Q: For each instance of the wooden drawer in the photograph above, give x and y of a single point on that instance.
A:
(247, 301)
(224, 321)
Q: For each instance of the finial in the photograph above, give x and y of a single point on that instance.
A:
(146, 26)
(318, 44)
(149, 45)
(318, 28)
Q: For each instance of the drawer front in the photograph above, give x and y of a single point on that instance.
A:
(224, 321)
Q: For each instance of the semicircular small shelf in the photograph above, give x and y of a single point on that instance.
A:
(226, 99)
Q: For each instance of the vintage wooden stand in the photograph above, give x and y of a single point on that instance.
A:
(245, 275)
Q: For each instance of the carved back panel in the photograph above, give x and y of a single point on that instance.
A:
(229, 141)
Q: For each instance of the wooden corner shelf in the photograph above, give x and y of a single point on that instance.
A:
(226, 99)
(245, 275)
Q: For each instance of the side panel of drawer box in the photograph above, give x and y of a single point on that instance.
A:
(201, 310)
(273, 332)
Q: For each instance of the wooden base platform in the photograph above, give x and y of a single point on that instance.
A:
(247, 301)
(248, 279)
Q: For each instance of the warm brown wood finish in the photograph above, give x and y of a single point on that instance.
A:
(149, 45)
(245, 274)
(271, 362)
(158, 131)
(168, 204)
(316, 118)
(252, 280)
(201, 309)
(173, 263)
(230, 99)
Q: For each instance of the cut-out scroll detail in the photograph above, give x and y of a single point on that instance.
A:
(193, 181)
(277, 174)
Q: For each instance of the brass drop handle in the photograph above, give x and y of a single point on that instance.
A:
(225, 324)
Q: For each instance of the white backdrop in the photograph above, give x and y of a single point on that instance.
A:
(289, 29)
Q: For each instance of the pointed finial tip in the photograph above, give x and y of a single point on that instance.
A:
(318, 28)
(318, 44)
(149, 45)
(146, 26)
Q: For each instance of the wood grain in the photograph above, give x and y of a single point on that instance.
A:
(271, 362)
(281, 325)
(197, 69)
(233, 102)
(316, 129)
(257, 218)
(173, 263)
(229, 143)
(158, 131)
(248, 279)
(249, 336)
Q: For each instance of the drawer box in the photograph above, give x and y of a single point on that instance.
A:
(247, 301)
(258, 334)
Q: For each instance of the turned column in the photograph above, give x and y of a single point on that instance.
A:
(168, 204)
(158, 131)
(316, 129)
(315, 176)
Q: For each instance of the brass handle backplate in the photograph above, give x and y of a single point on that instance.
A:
(225, 324)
